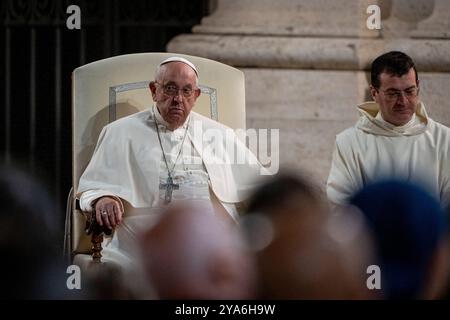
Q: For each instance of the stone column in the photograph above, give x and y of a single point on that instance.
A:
(306, 63)
(438, 24)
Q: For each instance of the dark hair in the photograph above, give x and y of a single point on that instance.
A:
(408, 224)
(394, 63)
(278, 191)
(31, 258)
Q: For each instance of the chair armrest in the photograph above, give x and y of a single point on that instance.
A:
(97, 232)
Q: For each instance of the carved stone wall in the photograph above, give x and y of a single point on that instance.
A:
(38, 54)
(306, 63)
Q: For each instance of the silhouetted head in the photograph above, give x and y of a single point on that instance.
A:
(191, 254)
(28, 243)
(303, 251)
(409, 227)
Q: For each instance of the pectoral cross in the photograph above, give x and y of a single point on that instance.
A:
(169, 186)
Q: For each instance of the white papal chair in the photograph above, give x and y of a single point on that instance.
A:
(109, 89)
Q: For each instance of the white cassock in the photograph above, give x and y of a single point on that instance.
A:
(128, 164)
(374, 149)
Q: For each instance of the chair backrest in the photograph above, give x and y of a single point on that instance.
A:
(108, 89)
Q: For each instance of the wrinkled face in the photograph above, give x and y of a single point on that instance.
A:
(397, 97)
(175, 92)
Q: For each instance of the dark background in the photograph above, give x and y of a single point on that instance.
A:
(38, 54)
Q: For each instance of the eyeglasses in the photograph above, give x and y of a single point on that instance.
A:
(394, 95)
(172, 90)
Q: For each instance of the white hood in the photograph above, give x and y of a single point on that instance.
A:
(370, 121)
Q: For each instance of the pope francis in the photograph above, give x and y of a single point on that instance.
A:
(163, 155)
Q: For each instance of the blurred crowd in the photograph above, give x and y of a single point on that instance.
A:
(390, 242)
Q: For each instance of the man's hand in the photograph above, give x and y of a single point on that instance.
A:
(108, 212)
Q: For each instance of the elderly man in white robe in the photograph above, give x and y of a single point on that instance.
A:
(163, 155)
(393, 138)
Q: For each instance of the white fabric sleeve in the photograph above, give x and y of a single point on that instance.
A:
(445, 196)
(89, 196)
(231, 209)
(340, 185)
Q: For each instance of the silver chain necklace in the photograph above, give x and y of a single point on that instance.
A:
(169, 185)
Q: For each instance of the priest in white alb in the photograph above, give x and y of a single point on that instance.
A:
(393, 138)
(163, 155)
